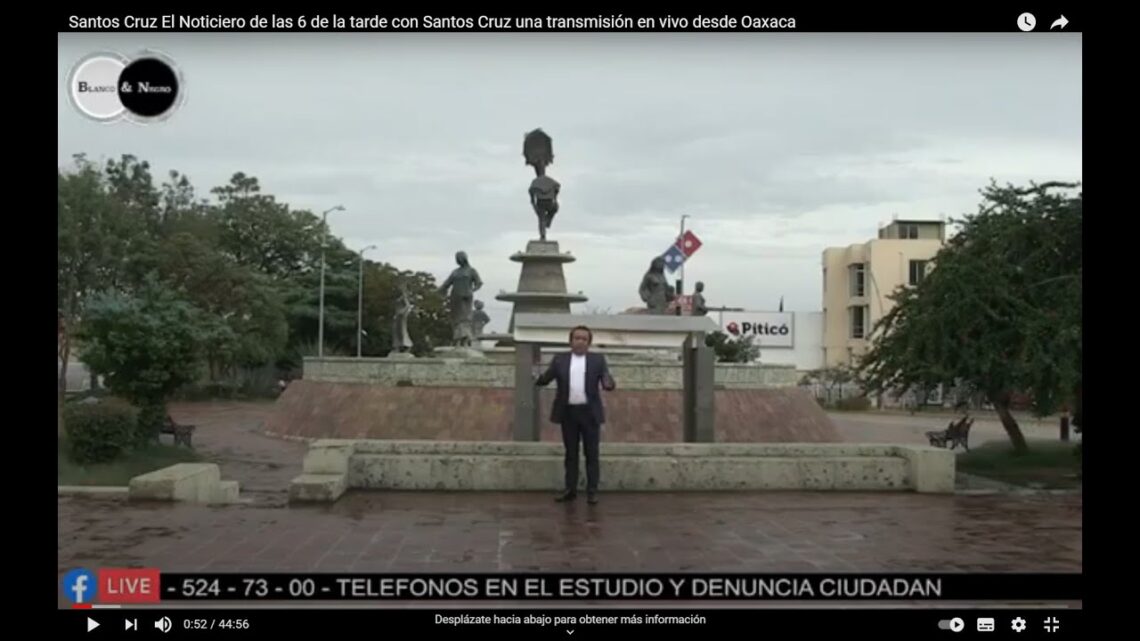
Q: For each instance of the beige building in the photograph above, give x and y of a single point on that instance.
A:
(858, 278)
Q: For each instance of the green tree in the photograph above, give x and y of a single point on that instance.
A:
(145, 345)
(134, 229)
(246, 314)
(182, 211)
(830, 378)
(106, 237)
(1001, 310)
(248, 264)
(259, 232)
(732, 350)
(92, 243)
(81, 243)
(428, 324)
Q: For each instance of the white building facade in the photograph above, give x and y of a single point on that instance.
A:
(784, 338)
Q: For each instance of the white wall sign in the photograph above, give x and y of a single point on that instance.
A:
(767, 329)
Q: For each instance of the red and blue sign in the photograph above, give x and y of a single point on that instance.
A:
(682, 248)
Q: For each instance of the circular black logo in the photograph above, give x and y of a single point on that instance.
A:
(148, 87)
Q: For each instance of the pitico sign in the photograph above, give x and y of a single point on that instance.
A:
(767, 329)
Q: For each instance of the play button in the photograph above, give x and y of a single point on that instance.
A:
(91, 624)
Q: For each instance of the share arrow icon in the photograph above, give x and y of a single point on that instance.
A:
(1060, 22)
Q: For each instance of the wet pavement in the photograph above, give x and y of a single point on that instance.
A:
(493, 532)
(414, 532)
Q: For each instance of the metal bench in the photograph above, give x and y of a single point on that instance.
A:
(183, 434)
(955, 434)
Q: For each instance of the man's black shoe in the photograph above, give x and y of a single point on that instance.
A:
(592, 498)
(566, 496)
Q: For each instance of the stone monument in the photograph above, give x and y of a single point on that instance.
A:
(655, 290)
(699, 306)
(542, 283)
(372, 421)
(401, 339)
(462, 284)
(479, 318)
(538, 151)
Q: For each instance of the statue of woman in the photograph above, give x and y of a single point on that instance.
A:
(460, 288)
(401, 339)
(655, 290)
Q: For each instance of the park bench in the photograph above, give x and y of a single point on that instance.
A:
(182, 433)
(955, 434)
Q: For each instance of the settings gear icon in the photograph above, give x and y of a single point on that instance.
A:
(1018, 625)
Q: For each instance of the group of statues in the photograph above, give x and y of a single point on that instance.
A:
(466, 314)
(658, 294)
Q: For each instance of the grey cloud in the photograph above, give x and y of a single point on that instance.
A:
(777, 146)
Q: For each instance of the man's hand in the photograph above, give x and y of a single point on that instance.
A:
(541, 379)
(608, 383)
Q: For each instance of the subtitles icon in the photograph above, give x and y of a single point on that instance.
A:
(986, 624)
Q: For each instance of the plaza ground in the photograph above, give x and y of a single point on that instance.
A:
(500, 532)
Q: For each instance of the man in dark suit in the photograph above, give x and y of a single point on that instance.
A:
(578, 407)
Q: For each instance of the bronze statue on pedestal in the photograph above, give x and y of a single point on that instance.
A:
(538, 150)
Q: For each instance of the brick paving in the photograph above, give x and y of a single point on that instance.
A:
(755, 532)
(475, 532)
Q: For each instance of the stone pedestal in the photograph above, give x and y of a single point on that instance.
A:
(460, 352)
(699, 380)
(527, 418)
(542, 283)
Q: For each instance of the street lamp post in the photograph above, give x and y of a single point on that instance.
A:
(360, 304)
(321, 319)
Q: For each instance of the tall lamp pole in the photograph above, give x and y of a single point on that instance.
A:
(321, 319)
(360, 303)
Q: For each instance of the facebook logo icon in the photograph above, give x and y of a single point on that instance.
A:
(79, 586)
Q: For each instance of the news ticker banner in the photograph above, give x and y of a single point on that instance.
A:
(84, 588)
(767, 18)
(573, 623)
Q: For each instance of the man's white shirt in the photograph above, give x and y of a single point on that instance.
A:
(577, 379)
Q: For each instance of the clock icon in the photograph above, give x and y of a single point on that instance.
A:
(1026, 21)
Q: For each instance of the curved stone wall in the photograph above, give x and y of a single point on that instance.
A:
(484, 373)
(314, 409)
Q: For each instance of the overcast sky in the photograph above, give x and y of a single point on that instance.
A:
(776, 145)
